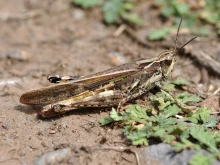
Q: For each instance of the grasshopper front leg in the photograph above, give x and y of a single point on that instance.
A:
(137, 89)
(184, 108)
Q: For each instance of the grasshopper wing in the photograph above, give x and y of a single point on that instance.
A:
(62, 91)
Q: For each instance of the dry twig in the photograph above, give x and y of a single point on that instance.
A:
(204, 59)
(8, 17)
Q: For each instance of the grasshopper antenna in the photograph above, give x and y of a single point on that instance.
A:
(177, 35)
(187, 43)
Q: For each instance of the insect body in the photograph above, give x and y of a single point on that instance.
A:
(108, 88)
(103, 89)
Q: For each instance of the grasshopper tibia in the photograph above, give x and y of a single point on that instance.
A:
(184, 108)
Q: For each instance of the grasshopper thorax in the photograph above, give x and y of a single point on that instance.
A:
(167, 61)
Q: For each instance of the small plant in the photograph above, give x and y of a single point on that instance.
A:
(204, 10)
(195, 14)
(166, 122)
(200, 159)
(113, 10)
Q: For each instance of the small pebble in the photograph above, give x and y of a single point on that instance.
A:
(18, 55)
(117, 58)
(52, 132)
(78, 14)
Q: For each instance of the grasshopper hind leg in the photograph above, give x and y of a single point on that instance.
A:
(122, 102)
(58, 78)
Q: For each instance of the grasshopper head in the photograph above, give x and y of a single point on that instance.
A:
(167, 58)
(167, 61)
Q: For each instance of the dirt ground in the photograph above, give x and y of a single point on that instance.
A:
(55, 37)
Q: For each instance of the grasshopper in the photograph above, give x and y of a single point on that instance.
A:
(109, 88)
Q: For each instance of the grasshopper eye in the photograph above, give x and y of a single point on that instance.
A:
(166, 62)
(57, 107)
(166, 66)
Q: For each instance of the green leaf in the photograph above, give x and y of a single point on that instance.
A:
(181, 9)
(169, 139)
(106, 120)
(204, 137)
(167, 11)
(114, 115)
(87, 3)
(172, 129)
(141, 141)
(138, 138)
(185, 98)
(163, 136)
(111, 10)
(191, 119)
(128, 129)
(191, 22)
(160, 1)
(153, 119)
(200, 159)
(184, 134)
(128, 6)
(180, 82)
(216, 135)
(168, 86)
(185, 144)
(218, 31)
(202, 31)
(133, 18)
(164, 95)
(135, 114)
(159, 34)
(162, 105)
(204, 114)
(201, 115)
(212, 18)
(137, 111)
(172, 110)
(165, 122)
(212, 121)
